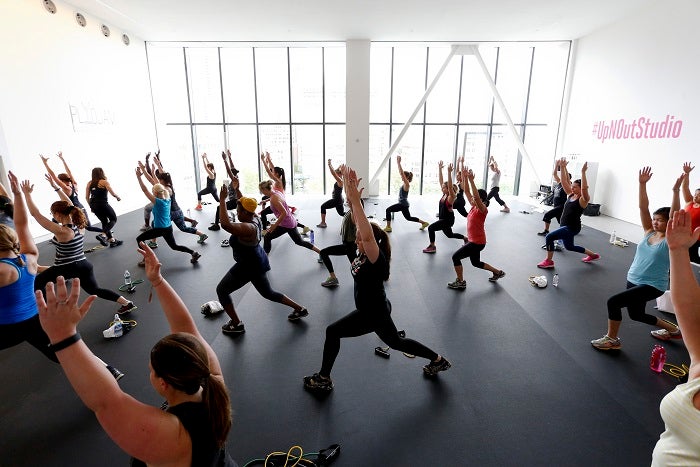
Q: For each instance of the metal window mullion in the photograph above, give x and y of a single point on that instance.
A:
(459, 109)
(425, 113)
(189, 108)
(257, 113)
(391, 120)
(289, 102)
(150, 88)
(489, 132)
(323, 115)
(221, 89)
(519, 162)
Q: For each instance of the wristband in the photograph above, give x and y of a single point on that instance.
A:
(56, 189)
(65, 343)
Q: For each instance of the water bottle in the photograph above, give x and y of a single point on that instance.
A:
(118, 328)
(658, 358)
(311, 237)
(612, 237)
(127, 279)
(555, 280)
(188, 213)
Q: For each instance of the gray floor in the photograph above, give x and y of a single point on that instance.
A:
(526, 388)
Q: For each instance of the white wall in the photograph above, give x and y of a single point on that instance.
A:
(357, 56)
(642, 67)
(64, 87)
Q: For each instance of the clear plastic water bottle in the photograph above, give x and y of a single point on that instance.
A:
(555, 280)
(613, 237)
(311, 237)
(118, 327)
(188, 213)
(658, 358)
(127, 279)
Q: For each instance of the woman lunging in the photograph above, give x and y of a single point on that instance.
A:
(210, 189)
(348, 247)
(403, 204)
(446, 215)
(336, 200)
(96, 193)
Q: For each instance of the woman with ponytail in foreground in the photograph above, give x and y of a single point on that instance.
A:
(196, 418)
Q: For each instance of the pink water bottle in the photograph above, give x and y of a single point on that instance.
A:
(658, 358)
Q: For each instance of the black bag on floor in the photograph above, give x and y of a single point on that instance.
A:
(592, 210)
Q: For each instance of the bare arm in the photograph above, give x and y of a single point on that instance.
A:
(565, 179)
(475, 194)
(465, 186)
(450, 186)
(440, 179)
(242, 230)
(21, 220)
(676, 199)
(59, 191)
(145, 190)
(65, 166)
(585, 197)
(229, 172)
(364, 228)
(205, 161)
(53, 176)
(279, 207)
(270, 169)
(687, 195)
(106, 185)
(406, 183)
(644, 176)
(555, 173)
(685, 292)
(87, 192)
(62, 233)
(335, 175)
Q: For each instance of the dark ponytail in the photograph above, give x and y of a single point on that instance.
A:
(76, 215)
(382, 240)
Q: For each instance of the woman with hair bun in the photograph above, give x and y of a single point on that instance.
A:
(403, 205)
(192, 427)
(70, 258)
(96, 195)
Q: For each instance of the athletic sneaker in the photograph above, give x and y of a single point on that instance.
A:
(128, 308)
(496, 276)
(195, 257)
(116, 374)
(330, 282)
(664, 335)
(115, 243)
(319, 260)
(505, 209)
(198, 207)
(233, 329)
(590, 258)
(607, 343)
(317, 382)
(224, 243)
(424, 225)
(387, 229)
(433, 368)
(102, 239)
(152, 244)
(430, 249)
(145, 227)
(543, 233)
(194, 223)
(546, 264)
(202, 239)
(457, 284)
(322, 225)
(296, 315)
(214, 227)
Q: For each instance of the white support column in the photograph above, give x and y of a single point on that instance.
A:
(408, 123)
(357, 65)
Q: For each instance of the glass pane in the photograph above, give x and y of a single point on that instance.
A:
(410, 149)
(335, 151)
(243, 144)
(439, 146)
(205, 87)
(275, 140)
(441, 106)
(379, 144)
(380, 84)
(540, 143)
(273, 90)
(409, 82)
(505, 151)
(512, 82)
(477, 97)
(177, 158)
(306, 81)
(239, 84)
(334, 61)
(209, 139)
(307, 158)
(547, 87)
(472, 145)
(168, 84)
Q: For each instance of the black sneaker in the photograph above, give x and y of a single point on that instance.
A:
(102, 239)
(115, 243)
(214, 227)
(543, 233)
(115, 373)
(233, 329)
(433, 368)
(298, 314)
(195, 257)
(496, 276)
(128, 308)
(317, 382)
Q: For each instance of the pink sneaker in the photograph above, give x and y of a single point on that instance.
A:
(430, 249)
(591, 258)
(546, 264)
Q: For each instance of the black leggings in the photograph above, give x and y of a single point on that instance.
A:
(635, 298)
(494, 194)
(404, 208)
(238, 276)
(82, 270)
(278, 232)
(361, 322)
(167, 234)
(106, 215)
(553, 213)
(348, 249)
(694, 256)
(459, 205)
(89, 226)
(471, 251)
(230, 205)
(208, 190)
(446, 226)
(336, 203)
(263, 216)
(30, 331)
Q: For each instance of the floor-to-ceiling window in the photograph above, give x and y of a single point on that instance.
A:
(285, 100)
(461, 117)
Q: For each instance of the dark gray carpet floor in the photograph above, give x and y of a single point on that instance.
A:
(525, 388)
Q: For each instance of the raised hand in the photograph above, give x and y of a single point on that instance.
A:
(449, 168)
(470, 175)
(585, 167)
(679, 231)
(14, 183)
(645, 174)
(50, 180)
(398, 159)
(43, 158)
(60, 155)
(223, 193)
(687, 168)
(152, 264)
(27, 187)
(679, 182)
(441, 164)
(60, 313)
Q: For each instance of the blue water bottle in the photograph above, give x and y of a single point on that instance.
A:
(311, 237)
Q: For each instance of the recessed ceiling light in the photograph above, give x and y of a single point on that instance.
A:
(50, 7)
(105, 30)
(80, 19)
(125, 39)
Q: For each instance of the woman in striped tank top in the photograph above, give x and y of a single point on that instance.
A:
(70, 261)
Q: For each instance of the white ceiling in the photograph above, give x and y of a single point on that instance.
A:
(378, 20)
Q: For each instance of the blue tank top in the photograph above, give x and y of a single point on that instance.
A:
(161, 213)
(651, 264)
(18, 302)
